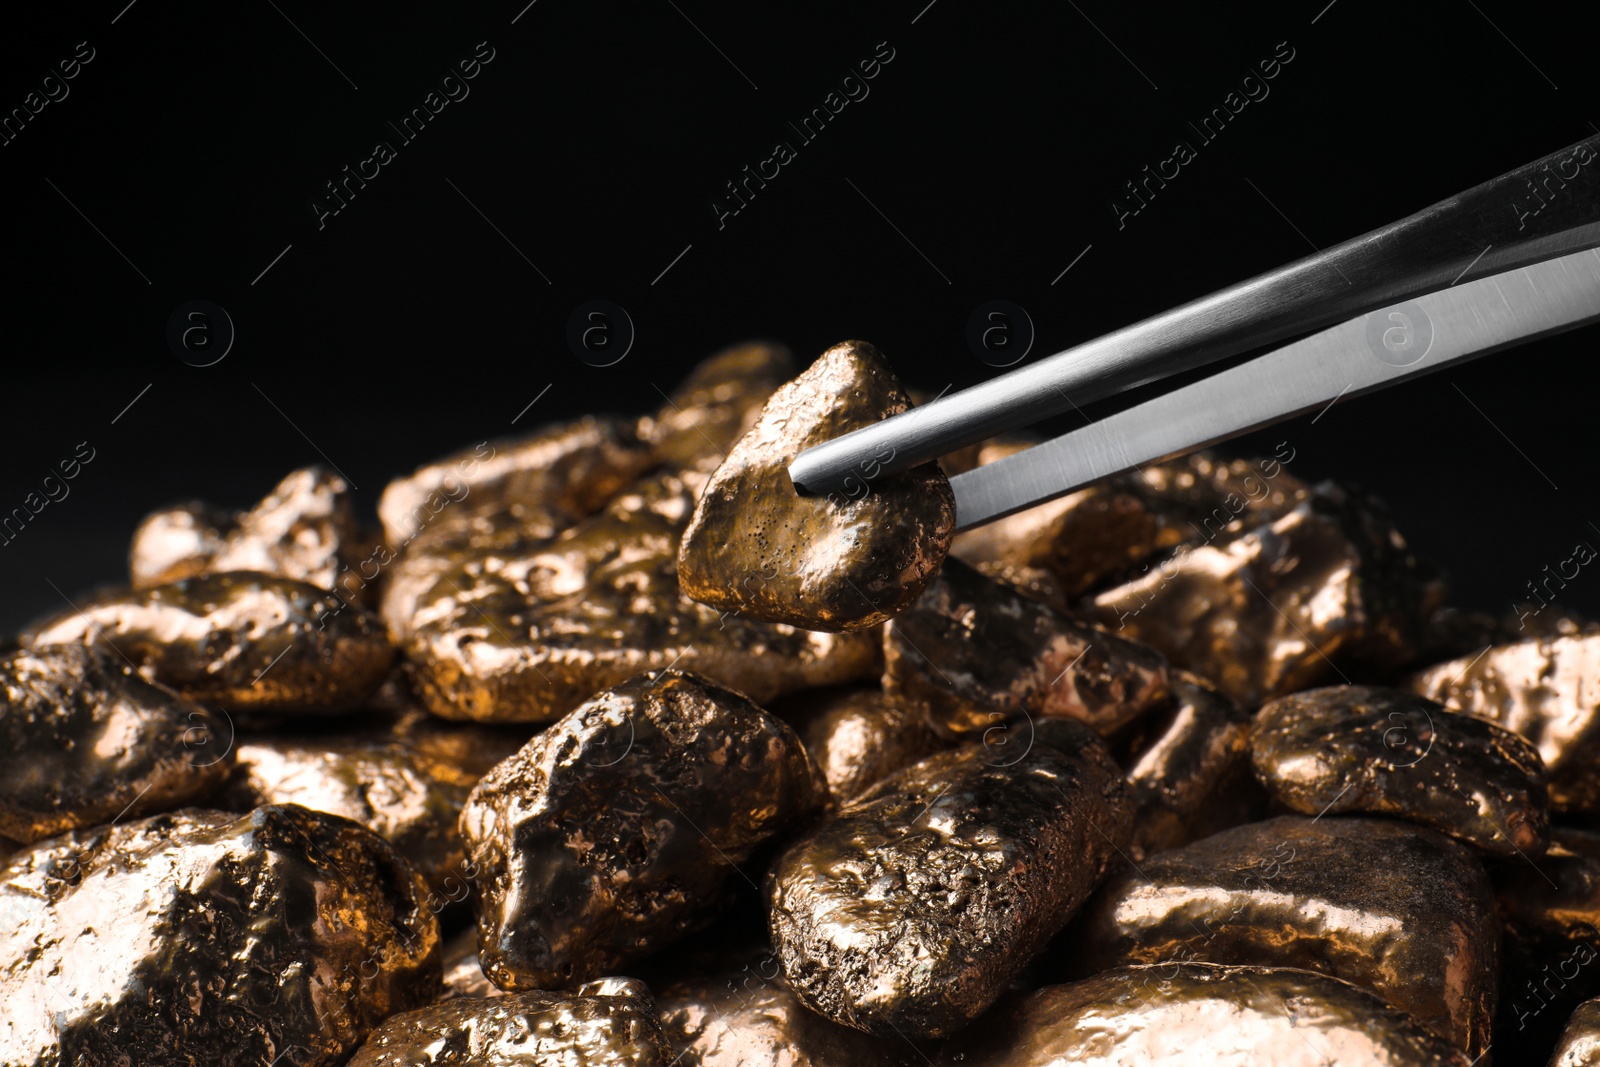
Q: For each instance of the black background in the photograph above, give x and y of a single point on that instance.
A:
(595, 142)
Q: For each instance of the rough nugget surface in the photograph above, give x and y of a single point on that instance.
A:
(910, 912)
(202, 937)
(845, 561)
(614, 831)
(84, 739)
(611, 1023)
(239, 641)
(1180, 1014)
(1399, 909)
(528, 635)
(1356, 748)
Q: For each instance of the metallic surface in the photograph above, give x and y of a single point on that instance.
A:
(1547, 690)
(1466, 321)
(1478, 231)
(716, 405)
(1098, 534)
(529, 635)
(614, 831)
(1183, 1014)
(978, 653)
(1550, 961)
(84, 739)
(911, 911)
(405, 782)
(201, 937)
(1580, 1041)
(462, 975)
(239, 641)
(1353, 748)
(745, 1015)
(593, 1026)
(1274, 610)
(858, 736)
(846, 561)
(569, 469)
(1189, 767)
(1399, 909)
(499, 496)
(304, 529)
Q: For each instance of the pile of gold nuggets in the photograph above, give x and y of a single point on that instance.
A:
(612, 748)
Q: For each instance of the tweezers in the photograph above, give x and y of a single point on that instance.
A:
(1505, 262)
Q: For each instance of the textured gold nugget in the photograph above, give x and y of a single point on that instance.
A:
(1399, 909)
(978, 653)
(1181, 1014)
(206, 937)
(527, 637)
(745, 1015)
(84, 739)
(1270, 611)
(910, 912)
(840, 562)
(611, 1022)
(304, 529)
(406, 781)
(1355, 748)
(614, 831)
(240, 641)
(1548, 690)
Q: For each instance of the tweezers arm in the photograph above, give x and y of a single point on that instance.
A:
(1547, 208)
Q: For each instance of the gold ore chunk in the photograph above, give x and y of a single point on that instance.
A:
(206, 937)
(841, 562)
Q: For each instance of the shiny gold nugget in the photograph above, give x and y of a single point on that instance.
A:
(240, 641)
(1402, 910)
(910, 912)
(611, 1022)
(979, 653)
(1548, 690)
(84, 739)
(840, 562)
(205, 937)
(1180, 1014)
(528, 636)
(858, 736)
(716, 405)
(1271, 611)
(405, 782)
(1353, 748)
(614, 831)
(304, 529)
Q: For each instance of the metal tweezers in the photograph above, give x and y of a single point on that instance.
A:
(1390, 305)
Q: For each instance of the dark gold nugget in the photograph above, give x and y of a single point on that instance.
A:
(844, 561)
(1182, 1014)
(205, 937)
(304, 529)
(528, 635)
(978, 652)
(1548, 690)
(406, 782)
(910, 912)
(611, 1022)
(240, 641)
(1271, 611)
(1354, 748)
(614, 831)
(84, 739)
(1399, 909)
